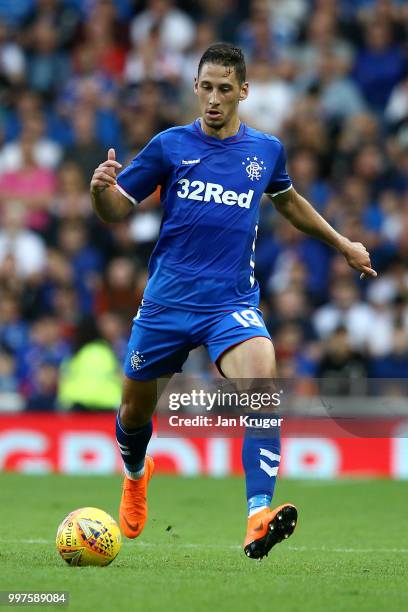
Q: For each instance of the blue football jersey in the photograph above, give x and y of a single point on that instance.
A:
(211, 189)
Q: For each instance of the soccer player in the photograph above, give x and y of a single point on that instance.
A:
(201, 288)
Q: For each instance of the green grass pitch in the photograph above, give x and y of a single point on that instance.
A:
(349, 552)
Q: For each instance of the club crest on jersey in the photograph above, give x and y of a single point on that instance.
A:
(136, 360)
(254, 168)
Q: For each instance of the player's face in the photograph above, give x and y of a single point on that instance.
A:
(219, 93)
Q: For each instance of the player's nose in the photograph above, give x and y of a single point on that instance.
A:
(213, 100)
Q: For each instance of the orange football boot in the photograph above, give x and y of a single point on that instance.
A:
(133, 505)
(267, 528)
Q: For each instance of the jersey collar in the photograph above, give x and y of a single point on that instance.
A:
(213, 139)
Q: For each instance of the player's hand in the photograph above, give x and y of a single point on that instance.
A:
(105, 174)
(358, 258)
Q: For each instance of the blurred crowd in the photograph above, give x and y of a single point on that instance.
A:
(328, 77)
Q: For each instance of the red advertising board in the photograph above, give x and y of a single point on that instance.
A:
(85, 444)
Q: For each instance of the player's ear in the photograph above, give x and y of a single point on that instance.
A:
(195, 85)
(244, 92)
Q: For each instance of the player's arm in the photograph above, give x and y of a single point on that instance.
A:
(305, 218)
(109, 204)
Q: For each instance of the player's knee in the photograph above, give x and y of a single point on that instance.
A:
(261, 363)
(133, 414)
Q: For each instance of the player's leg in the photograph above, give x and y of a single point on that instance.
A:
(252, 366)
(134, 426)
(255, 359)
(155, 350)
(242, 348)
(133, 432)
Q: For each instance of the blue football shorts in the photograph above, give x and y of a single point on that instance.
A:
(162, 337)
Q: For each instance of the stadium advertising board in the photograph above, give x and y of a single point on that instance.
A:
(85, 444)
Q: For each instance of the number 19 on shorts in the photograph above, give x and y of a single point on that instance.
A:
(247, 318)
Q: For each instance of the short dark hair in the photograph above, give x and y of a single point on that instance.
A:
(225, 54)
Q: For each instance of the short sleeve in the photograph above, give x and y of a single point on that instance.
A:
(145, 172)
(280, 180)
